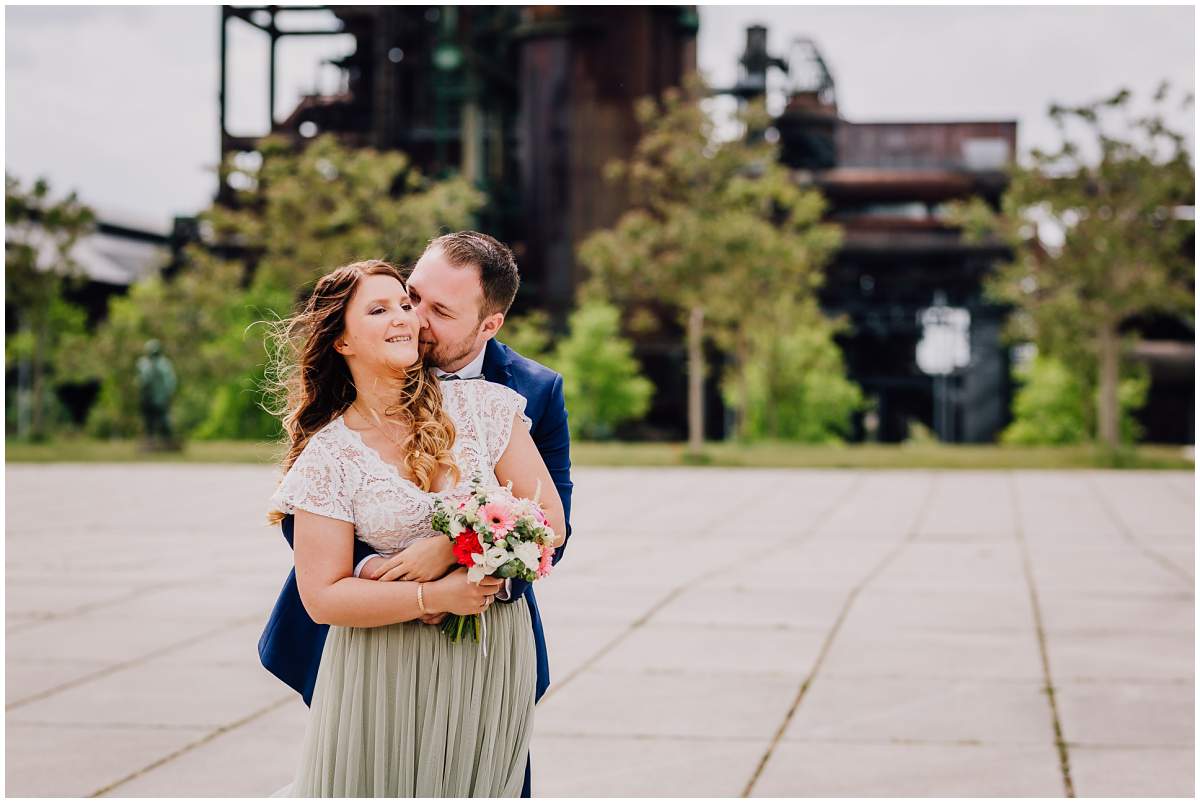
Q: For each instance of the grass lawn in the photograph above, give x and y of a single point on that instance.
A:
(765, 455)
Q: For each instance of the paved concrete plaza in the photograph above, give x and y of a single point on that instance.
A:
(711, 633)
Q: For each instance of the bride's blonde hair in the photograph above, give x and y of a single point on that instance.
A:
(312, 385)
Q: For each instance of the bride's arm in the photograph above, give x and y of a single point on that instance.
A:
(522, 464)
(332, 596)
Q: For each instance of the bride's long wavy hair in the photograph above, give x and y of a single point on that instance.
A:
(311, 383)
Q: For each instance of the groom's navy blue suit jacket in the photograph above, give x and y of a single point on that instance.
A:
(290, 646)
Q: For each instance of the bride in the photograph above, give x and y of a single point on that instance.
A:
(398, 709)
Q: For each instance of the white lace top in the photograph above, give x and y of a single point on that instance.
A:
(339, 476)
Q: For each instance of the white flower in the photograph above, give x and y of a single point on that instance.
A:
(494, 557)
(456, 527)
(529, 553)
(488, 561)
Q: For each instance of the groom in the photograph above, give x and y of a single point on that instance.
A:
(462, 286)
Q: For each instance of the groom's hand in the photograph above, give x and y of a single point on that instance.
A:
(422, 561)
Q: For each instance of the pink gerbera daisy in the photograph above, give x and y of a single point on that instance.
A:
(547, 561)
(498, 517)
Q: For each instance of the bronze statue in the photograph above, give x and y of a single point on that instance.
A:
(156, 388)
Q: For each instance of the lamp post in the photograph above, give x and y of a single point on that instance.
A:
(945, 346)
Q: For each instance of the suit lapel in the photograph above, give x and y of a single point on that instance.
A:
(496, 366)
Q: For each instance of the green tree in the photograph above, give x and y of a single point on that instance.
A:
(38, 267)
(794, 385)
(198, 316)
(1052, 406)
(714, 228)
(296, 215)
(530, 335)
(1125, 251)
(602, 381)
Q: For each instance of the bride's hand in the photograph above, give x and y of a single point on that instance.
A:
(423, 561)
(454, 593)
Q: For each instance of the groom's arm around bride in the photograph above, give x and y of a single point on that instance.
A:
(462, 287)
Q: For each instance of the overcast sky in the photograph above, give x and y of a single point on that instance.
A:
(120, 103)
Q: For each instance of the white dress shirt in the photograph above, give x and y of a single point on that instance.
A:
(472, 370)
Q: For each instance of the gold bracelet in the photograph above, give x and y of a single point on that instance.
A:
(421, 598)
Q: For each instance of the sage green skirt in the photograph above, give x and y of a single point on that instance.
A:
(402, 711)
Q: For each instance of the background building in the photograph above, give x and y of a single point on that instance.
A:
(531, 102)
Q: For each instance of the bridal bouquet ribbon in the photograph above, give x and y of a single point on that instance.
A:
(495, 534)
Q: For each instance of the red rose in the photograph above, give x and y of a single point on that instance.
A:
(466, 545)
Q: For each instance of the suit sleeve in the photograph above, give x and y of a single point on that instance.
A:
(553, 441)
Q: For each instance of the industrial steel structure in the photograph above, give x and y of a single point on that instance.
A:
(531, 102)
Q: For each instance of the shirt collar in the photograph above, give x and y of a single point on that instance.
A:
(471, 370)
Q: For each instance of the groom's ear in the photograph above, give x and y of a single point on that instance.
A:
(492, 324)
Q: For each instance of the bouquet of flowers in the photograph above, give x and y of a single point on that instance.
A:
(495, 534)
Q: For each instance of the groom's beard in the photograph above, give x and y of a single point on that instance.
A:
(443, 355)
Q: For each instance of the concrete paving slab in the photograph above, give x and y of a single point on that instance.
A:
(15, 622)
(43, 761)
(98, 637)
(767, 607)
(816, 769)
(895, 503)
(1137, 772)
(1184, 558)
(685, 703)
(1102, 612)
(1062, 504)
(740, 650)
(1116, 570)
(1145, 505)
(1121, 656)
(922, 710)
(42, 600)
(152, 694)
(963, 611)
(221, 601)
(673, 704)
(612, 766)
(865, 649)
(933, 566)
(597, 600)
(810, 563)
(965, 506)
(576, 644)
(24, 679)
(1127, 714)
(254, 760)
(235, 645)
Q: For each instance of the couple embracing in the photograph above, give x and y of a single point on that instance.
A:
(397, 396)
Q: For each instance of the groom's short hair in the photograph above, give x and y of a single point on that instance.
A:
(497, 268)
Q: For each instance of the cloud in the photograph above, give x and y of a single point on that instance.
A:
(121, 102)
